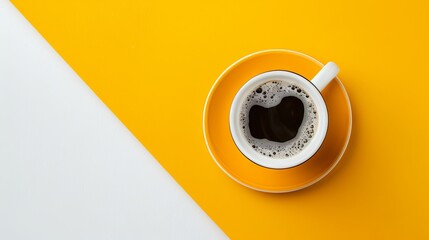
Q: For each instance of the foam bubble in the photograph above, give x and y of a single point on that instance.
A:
(269, 95)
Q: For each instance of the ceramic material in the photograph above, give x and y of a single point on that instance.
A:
(221, 145)
(313, 88)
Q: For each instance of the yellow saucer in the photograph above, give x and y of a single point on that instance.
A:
(221, 145)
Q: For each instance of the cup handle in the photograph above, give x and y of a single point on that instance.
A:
(325, 75)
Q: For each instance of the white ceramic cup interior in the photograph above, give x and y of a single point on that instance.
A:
(313, 88)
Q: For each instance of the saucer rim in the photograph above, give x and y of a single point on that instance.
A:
(215, 85)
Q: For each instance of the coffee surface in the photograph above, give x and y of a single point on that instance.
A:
(279, 123)
(278, 119)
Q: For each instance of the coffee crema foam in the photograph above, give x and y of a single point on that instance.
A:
(269, 95)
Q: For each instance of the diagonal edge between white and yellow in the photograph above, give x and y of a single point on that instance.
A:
(69, 169)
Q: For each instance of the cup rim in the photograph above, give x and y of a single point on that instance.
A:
(265, 161)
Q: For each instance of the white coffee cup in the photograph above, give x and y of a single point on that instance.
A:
(312, 88)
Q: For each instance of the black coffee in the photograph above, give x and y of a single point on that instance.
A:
(279, 123)
(278, 119)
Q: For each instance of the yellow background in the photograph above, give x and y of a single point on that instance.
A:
(153, 63)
